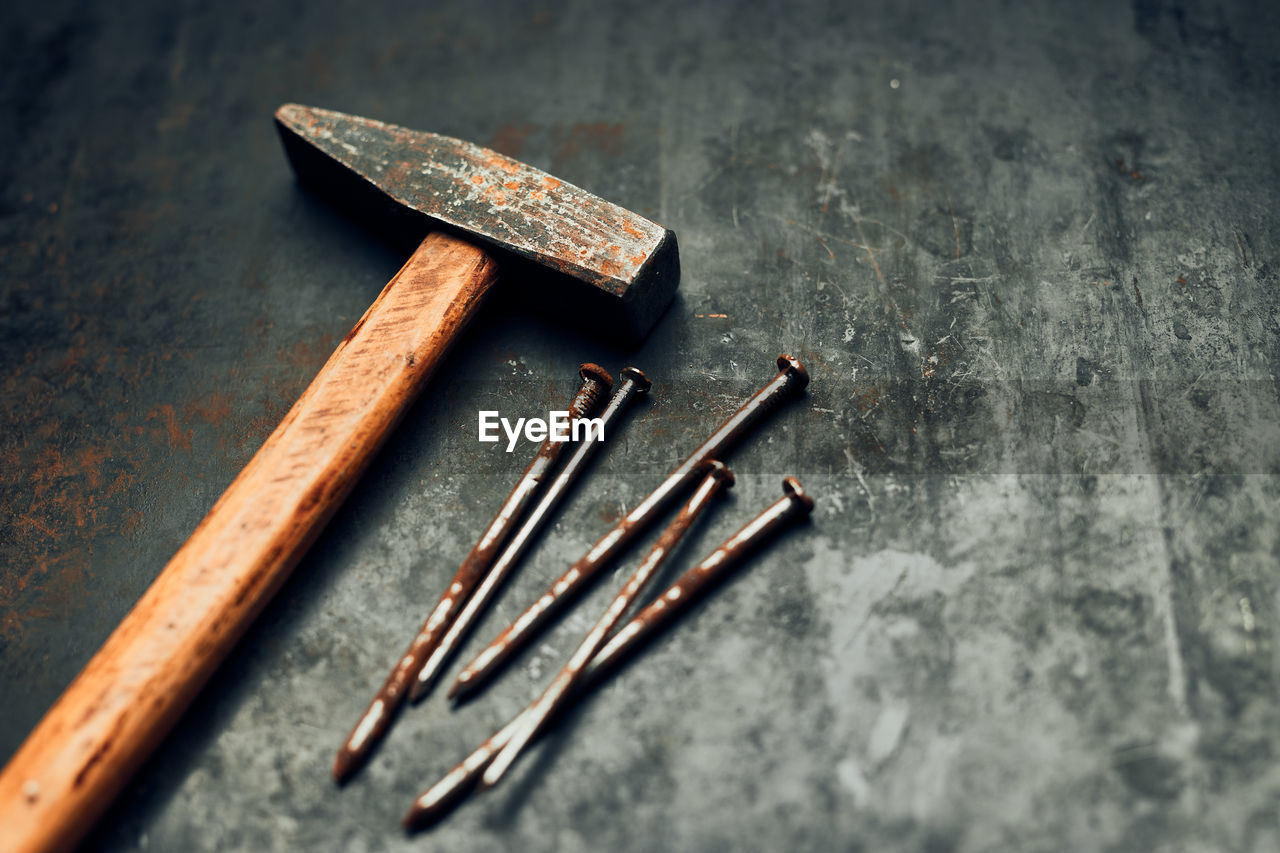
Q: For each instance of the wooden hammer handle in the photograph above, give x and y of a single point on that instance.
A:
(134, 689)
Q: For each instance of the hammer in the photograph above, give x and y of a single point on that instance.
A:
(479, 209)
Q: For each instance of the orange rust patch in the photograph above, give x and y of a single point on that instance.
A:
(308, 355)
(63, 479)
(398, 172)
(121, 484)
(178, 440)
(132, 521)
(214, 410)
(503, 163)
(27, 526)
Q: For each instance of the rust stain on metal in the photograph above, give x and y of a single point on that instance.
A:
(492, 196)
(177, 438)
(72, 488)
(214, 409)
(310, 351)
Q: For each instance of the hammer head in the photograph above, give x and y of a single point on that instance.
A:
(411, 182)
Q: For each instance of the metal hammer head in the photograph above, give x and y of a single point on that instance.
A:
(411, 182)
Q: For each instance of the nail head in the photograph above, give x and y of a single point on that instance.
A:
(792, 365)
(719, 470)
(791, 486)
(590, 370)
(636, 376)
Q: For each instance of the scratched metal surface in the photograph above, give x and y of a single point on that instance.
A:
(486, 194)
(1027, 250)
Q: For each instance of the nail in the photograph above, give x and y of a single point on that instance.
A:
(791, 379)
(634, 385)
(718, 479)
(381, 712)
(437, 800)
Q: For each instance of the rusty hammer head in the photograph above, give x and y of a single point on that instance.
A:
(408, 182)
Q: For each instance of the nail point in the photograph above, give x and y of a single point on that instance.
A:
(343, 765)
(458, 689)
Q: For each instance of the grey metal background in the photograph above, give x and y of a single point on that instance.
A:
(1027, 250)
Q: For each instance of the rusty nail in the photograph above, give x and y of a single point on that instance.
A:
(378, 717)
(791, 379)
(634, 384)
(718, 479)
(436, 801)
(793, 505)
